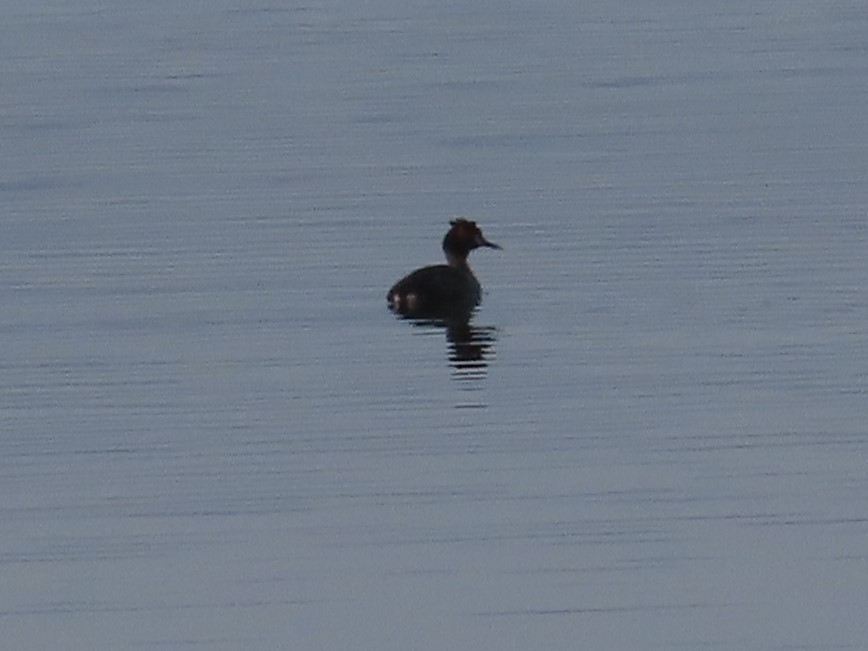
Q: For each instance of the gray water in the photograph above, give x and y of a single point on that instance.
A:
(214, 435)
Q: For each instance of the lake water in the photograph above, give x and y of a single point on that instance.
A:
(651, 436)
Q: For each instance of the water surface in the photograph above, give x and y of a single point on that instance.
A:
(214, 434)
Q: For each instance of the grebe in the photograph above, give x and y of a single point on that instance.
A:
(443, 289)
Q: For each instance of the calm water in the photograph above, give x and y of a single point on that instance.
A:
(652, 435)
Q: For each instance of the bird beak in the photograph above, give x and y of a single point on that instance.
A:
(490, 245)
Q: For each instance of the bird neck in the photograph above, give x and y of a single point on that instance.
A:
(457, 260)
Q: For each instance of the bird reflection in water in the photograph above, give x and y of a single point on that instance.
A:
(470, 347)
